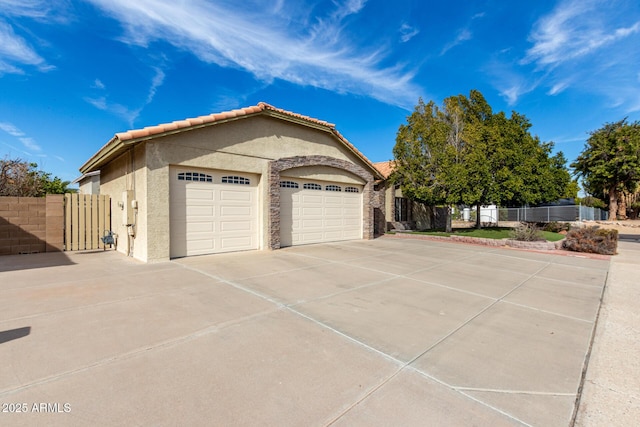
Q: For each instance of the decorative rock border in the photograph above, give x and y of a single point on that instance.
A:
(539, 245)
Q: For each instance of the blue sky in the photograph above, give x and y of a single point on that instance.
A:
(73, 73)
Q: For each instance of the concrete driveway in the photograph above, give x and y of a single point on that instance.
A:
(383, 332)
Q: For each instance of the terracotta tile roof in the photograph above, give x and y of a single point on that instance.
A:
(150, 132)
(211, 118)
(385, 168)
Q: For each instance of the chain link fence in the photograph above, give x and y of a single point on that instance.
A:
(569, 213)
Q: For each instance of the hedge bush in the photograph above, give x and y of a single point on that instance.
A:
(592, 240)
(526, 232)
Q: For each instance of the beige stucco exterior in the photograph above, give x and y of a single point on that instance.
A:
(248, 144)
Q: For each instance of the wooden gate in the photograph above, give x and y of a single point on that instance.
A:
(87, 217)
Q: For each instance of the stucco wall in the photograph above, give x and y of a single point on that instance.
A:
(127, 172)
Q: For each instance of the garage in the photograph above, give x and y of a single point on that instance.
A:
(212, 211)
(314, 211)
(211, 184)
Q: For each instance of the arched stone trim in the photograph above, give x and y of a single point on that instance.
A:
(277, 166)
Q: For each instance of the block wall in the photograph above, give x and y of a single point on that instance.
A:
(31, 224)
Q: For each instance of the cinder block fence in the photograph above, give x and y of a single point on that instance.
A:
(31, 224)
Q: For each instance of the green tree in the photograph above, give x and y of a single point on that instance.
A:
(463, 153)
(610, 162)
(23, 179)
(420, 156)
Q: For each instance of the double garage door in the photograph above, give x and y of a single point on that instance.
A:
(216, 211)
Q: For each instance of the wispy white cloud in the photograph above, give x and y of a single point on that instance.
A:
(30, 144)
(407, 32)
(11, 129)
(506, 77)
(35, 9)
(156, 82)
(122, 111)
(591, 46)
(26, 141)
(269, 43)
(558, 88)
(575, 28)
(97, 84)
(15, 51)
(128, 114)
(463, 35)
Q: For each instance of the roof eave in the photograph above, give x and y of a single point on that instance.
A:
(103, 155)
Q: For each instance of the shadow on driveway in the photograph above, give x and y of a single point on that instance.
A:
(14, 334)
(29, 261)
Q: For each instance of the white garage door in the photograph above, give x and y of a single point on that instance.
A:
(212, 212)
(317, 211)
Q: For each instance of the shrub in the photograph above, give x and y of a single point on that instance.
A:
(556, 227)
(526, 232)
(592, 240)
(635, 209)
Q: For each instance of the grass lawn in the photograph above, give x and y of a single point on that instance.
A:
(488, 233)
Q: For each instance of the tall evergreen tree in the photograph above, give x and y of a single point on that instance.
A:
(463, 153)
(610, 162)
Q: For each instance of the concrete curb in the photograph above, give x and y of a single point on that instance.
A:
(609, 394)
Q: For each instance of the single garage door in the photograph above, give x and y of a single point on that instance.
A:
(317, 211)
(212, 212)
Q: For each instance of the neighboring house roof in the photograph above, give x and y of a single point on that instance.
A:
(123, 140)
(385, 168)
(86, 175)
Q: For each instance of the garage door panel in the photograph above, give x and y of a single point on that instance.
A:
(333, 200)
(333, 222)
(200, 243)
(333, 211)
(236, 211)
(311, 237)
(231, 226)
(335, 234)
(198, 227)
(200, 211)
(237, 195)
(311, 211)
(351, 222)
(312, 198)
(235, 243)
(200, 194)
(311, 223)
(212, 217)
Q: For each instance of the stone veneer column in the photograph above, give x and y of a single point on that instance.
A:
(277, 166)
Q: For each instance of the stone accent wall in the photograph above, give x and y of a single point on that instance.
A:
(277, 166)
(379, 218)
(31, 224)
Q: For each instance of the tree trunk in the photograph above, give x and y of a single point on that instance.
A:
(622, 205)
(613, 203)
(448, 220)
(478, 219)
